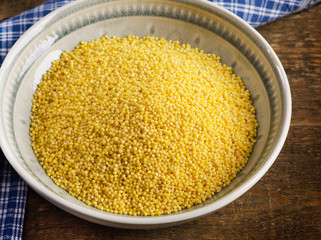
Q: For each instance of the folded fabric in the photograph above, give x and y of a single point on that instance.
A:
(257, 13)
(13, 189)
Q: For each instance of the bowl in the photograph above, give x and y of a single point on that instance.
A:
(199, 23)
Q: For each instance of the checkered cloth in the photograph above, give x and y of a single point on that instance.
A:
(13, 189)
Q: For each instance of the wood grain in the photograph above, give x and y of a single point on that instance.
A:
(284, 204)
(10, 8)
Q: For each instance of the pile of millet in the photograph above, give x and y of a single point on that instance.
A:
(141, 125)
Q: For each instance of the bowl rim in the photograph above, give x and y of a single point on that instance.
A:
(100, 217)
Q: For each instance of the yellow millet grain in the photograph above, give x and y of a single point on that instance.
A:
(141, 126)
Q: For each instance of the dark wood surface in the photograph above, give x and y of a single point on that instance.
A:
(284, 204)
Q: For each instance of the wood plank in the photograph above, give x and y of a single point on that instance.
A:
(9, 8)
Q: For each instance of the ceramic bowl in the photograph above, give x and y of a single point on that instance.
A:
(199, 23)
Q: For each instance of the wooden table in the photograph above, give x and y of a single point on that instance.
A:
(284, 204)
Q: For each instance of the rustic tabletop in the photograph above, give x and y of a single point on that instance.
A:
(284, 204)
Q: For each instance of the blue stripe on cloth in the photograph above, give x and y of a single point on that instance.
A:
(13, 28)
(13, 189)
(12, 201)
(257, 13)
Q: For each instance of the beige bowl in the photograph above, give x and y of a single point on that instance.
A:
(199, 23)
